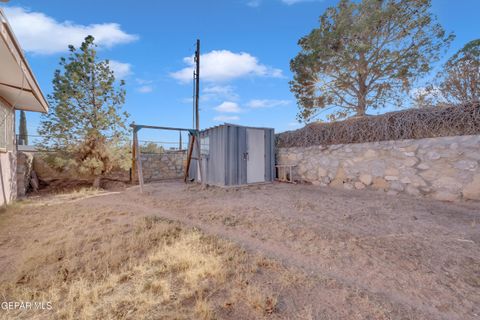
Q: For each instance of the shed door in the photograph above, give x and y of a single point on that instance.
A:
(256, 155)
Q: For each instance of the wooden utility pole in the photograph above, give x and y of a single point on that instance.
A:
(197, 85)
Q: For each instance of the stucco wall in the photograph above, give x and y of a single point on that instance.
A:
(8, 178)
(445, 168)
(166, 165)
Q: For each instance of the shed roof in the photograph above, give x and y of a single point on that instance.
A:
(18, 86)
(234, 125)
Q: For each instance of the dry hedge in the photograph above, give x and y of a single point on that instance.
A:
(409, 124)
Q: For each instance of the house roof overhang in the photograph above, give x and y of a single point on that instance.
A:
(18, 86)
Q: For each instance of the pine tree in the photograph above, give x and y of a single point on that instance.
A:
(23, 133)
(86, 126)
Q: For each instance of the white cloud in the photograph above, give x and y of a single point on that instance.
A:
(226, 118)
(266, 103)
(224, 65)
(228, 107)
(143, 81)
(257, 3)
(145, 89)
(219, 93)
(290, 2)
(39, 33)
(254, 3)
(425, 91)
(120, 69)
(144, 85)
(294, 124)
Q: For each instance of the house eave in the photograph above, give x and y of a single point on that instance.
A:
(18, 86)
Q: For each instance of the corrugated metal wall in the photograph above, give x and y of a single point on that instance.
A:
(226, 162)
(269, 155)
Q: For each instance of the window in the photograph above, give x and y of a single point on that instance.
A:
(204, 146)
(6, 129)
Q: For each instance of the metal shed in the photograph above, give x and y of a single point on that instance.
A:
(236, 155)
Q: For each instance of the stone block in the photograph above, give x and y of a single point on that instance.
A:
(411, 190)
(369, 154)
(410, 162)
(380, 184)
(405, 180)
(445, 196)
(466, 165)
(391, 178)
(397, 186)
(322, 172)
(391, 172)
(472, 190)
(366, 179)
(447, 183)
(432, 155)
(423, 166)
(358, 185)
(348, 186)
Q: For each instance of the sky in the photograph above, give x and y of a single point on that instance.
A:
(246, 48)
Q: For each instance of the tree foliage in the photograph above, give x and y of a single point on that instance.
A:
(365, 55)
(22, 130)
(152, 148)
(460, 78)
(86, 125)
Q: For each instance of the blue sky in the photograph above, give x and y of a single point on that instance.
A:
(247, 46)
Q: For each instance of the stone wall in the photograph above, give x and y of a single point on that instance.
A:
(24, 171)
(166, 165)
(445, 168)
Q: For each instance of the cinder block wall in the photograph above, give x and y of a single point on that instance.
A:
(444, 168)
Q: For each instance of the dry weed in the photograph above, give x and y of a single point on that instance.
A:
(94, 268)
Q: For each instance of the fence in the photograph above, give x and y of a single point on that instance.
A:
(33, 143)
(160, 160)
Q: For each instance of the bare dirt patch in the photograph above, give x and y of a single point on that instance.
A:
(311, 253)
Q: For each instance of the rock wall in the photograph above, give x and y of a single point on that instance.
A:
(24, 171)
(47, 174)
(445, 168)
(167, 165)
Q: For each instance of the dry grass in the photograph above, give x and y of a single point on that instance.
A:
(113, 265)
(118, 255)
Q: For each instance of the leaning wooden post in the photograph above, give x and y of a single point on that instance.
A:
(134, 155)
(138, 158)
(189, 158)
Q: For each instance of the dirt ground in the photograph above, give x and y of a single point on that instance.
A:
(282, 251)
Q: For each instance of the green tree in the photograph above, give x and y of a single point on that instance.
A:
(460, 78)
(22, 130)
(151, 147)
(365, 55)
(86, 125)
